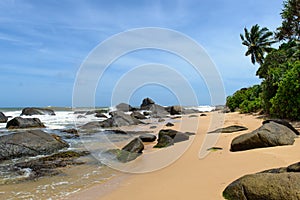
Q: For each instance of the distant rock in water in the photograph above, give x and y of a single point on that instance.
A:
(273, 184)
(230, 129)
(268, 135)
(19, 122)
(125, 107)
(3, 118)
(118, 119)
(147, 102)
(37, 111)
(29, 143)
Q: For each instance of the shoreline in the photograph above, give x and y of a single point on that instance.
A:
(193, 178)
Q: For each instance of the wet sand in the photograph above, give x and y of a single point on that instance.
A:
(190, 177)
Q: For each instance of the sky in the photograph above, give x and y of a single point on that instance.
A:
(44, 44)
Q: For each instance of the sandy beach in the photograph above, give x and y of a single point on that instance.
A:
(193, 178)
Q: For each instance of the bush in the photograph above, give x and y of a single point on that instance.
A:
(286, 102)
(246, 100)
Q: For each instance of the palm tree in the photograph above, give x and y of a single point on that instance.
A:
(258, 41)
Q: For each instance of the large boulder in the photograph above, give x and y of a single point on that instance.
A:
(273, 184)
(124, 107)
(268, 135)
(3, 118)
(176, 110)
(134, 146)
(37, 111)
(282, 122)
(19, 122)
(146, 137)
(29, 143)
(158, 111)
(147, 102)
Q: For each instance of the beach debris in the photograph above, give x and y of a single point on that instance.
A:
(19, 122)
(280, 183)
(29, 143)
(230, 129)
(147, 137)
(268, 135)
(3, 118)
(37, 111)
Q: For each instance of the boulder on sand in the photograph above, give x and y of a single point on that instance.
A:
(147, 137)
(230, 129)
(173, 136)
(37, 111)
(273, 184)
(19, 122)
(147, 102)
(282, 122)
(3, 118)
(268, 135)
(29, 143)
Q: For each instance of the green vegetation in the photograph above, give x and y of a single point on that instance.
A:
(279, 93)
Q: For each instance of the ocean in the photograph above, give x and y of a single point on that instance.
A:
(72, 179)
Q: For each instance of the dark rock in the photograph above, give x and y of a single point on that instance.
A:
(29, 143)
(19, 122)
(81, 116)
(129, 152)
(97, 111)
(157, 111)
(47, 166)
(147, 102)
(271, 186)
(138, 115)
(164, 141)
(203, 115)
(135, 146)
(169, 124)
(147, 137)
(146, 113)
(294, 167)
(282, 122)
(180, 137)
(161, 120)
(3, 118)
(189, 133)
(118, 119)
(100, 115)
(37, 111)
(153, 127)
(116, 131)
(230, 129)
(193, 116)
(190, 111)
(176, 110)
(168, 132)
(268, 135)
(124, 107)
(73, 132)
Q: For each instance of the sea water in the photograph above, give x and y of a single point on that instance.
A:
(72, 179)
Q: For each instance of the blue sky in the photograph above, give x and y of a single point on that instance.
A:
(43, 44)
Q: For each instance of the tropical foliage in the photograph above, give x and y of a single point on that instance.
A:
(279, 93)
(258, 42)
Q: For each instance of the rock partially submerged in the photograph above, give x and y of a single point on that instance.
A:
(3, 118)
(37, 111)
(19, 122)
(268, 135)
(230, 129)
(29, 143)
(273, 184)
(129, 152)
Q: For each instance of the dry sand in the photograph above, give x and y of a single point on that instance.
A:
(193, 178)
